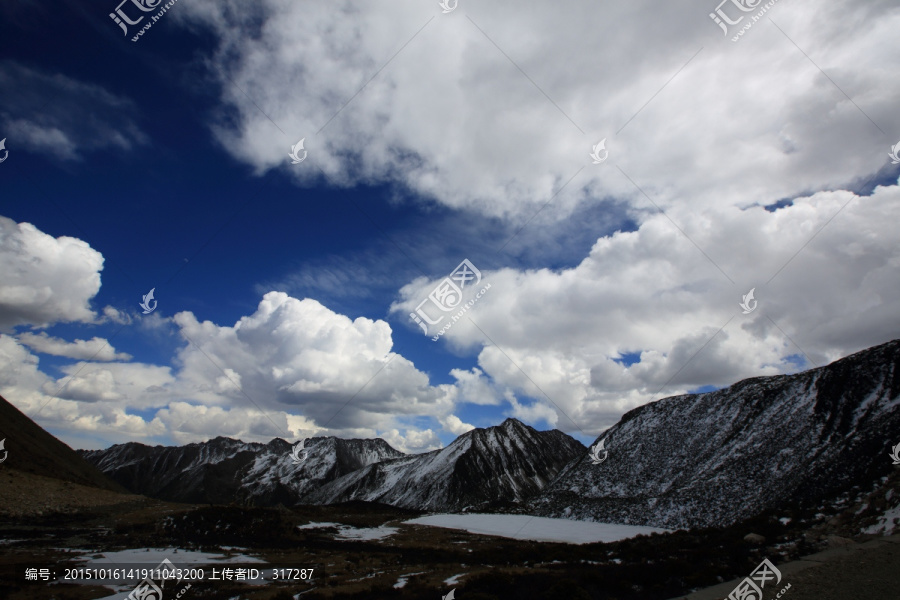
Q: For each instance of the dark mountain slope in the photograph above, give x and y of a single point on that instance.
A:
(32, 450)
(507, 463)
(715, 458)
(223, 470)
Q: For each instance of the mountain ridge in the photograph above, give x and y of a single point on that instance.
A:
(759, 444)
(223, 470)
(458, 467)
(693, 460)
(498, 464)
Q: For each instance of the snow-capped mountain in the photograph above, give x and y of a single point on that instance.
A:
(712, 459)
(224, 470)
(498, 464)
(506, 463)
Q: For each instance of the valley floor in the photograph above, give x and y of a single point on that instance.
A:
(868, 574)
(868, 570)
(361, 550)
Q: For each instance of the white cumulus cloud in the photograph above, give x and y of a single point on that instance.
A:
(96, 348)
(45, 280)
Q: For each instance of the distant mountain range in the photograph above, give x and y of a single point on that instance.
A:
(508, 463)
(715, 458)
(223, 470)
(688, 461)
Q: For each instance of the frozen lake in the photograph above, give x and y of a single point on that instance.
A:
(539, 529)
(153, 556)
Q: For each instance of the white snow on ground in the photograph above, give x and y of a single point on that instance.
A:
(539, 529)
(405, 578)
(886, 522)
(154, 556)
(319, 525)
(369, 576)
(346, 532)
(454, 580)
(372, 533)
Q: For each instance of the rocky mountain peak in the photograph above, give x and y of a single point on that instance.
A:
(715, 458)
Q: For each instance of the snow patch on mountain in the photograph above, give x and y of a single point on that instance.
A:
(715, 458)
(507, 463)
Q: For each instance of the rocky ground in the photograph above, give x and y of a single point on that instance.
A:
(42, 520)
(24, 495)
(864, 574)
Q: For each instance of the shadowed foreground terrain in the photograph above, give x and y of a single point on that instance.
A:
(658, 567)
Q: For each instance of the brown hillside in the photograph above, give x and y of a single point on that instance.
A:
(33, 450)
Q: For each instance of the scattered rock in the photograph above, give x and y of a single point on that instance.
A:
(755, 538)
(835, 541)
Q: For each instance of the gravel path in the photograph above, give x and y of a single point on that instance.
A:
(869, 571)
(872, 574)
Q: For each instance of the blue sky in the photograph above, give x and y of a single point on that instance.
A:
(432, 138)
